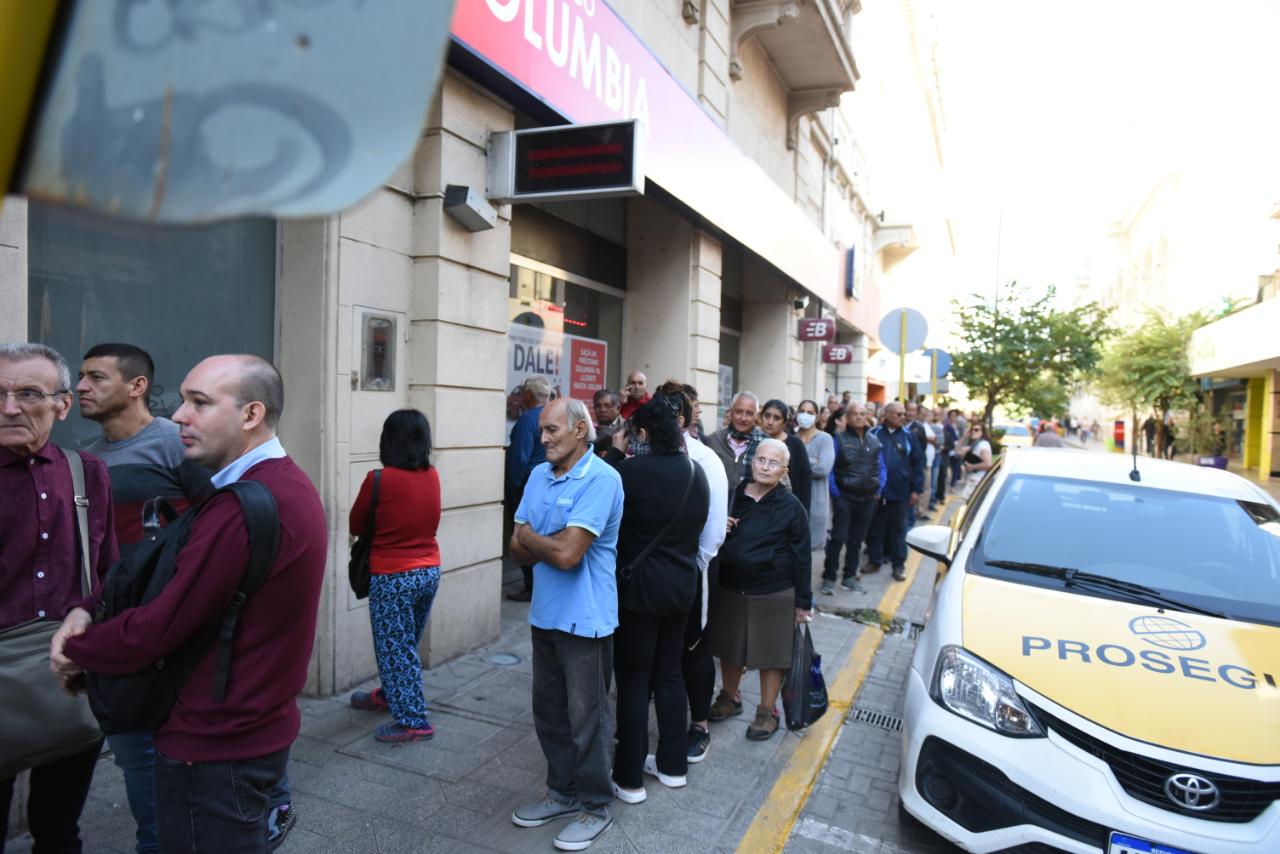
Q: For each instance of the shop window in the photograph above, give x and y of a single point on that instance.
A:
(181, 294)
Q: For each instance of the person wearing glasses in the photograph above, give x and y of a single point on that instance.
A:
(40, 551)
(764, 588)
(974, 451)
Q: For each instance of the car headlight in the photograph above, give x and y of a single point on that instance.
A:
(973, 689)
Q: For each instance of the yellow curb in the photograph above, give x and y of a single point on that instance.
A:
(772, 825)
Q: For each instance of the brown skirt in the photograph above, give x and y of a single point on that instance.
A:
(753, 631)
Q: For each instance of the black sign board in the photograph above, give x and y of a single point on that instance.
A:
(570, 162)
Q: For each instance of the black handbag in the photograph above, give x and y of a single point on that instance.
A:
(358, 566)
(639, 591)
(48, 723)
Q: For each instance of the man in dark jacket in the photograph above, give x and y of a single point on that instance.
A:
(904, 482)
(921, 433)
(736, 444)
(860, 475)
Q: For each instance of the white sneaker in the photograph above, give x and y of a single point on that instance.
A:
(629, 797)
(651, 768)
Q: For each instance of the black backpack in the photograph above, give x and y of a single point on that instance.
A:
(142, 701)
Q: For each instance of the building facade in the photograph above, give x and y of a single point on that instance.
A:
(759, 210)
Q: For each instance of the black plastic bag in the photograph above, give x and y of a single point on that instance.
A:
(804, 692)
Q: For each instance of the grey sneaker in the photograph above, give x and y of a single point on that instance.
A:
(853, 584)
(582, 831)
(828, 587)
(545, 810)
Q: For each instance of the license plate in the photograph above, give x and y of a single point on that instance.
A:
(1123, 844)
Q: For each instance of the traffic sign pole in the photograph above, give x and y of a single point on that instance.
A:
(902, 360)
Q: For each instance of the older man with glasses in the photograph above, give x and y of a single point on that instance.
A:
(40, 549)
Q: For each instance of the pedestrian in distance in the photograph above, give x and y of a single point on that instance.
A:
(904, 483)
(567, 527)
(945, 431)
(1149, 431)
(42, 574)
(917, 423)
(524, 454)
(975, 454)
(859, 477)
(217, 761)
(605, 405)
(635, 392)
(404, 571)
(1047, 437)
(666, 499)
(820, 450)
(773, 421)
(764, 589)
(735, 444)
(697, 664)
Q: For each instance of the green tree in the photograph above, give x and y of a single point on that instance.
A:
(1022, 352)
(1148, 369)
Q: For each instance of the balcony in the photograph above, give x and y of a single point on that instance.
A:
(805, 42)
(894, 242)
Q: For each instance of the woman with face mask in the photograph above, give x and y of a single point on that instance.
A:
(822, 456)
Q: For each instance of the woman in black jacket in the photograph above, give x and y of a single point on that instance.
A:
(663, 513)
(765, 589)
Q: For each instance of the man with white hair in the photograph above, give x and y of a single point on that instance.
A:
(524, 454)
(567, 526)
(736, 444)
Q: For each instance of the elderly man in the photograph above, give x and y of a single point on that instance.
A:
(217, 761)
(606, 408)
(637, 392)
(567, 526)
(524, 454)
(904, 483)
(40, 554)
(736, 444)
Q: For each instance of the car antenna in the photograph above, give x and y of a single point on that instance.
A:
(1135, 475)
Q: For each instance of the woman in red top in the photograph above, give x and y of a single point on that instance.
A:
(404, 568)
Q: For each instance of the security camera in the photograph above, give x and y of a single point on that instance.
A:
(801, 303)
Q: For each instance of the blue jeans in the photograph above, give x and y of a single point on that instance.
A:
(135, 755)
(399, 604)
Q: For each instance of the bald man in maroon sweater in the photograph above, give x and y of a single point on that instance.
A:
(216, 761)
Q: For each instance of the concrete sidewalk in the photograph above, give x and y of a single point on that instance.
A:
(456, 792)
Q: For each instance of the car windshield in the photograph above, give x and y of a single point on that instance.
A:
(1211, 553)
(1014, 430)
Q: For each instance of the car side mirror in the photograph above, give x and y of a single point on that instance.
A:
(932, 541)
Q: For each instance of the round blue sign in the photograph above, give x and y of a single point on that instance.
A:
(944, 361)
(917, 328)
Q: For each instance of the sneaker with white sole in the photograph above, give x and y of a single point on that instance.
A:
(545, 810)
(668, 780)
(629, 796)
(578, 834)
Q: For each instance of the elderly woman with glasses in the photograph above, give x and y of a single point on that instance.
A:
(764, 588)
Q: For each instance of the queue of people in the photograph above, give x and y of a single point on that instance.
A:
(649, 547)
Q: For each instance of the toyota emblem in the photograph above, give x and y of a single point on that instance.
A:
(1191, 791)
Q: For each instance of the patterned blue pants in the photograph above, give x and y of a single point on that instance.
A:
(399, 605)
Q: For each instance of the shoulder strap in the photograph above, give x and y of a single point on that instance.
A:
(82, 518)
(684, 499)
(262, 521)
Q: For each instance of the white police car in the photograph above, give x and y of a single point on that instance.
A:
(1100, 671)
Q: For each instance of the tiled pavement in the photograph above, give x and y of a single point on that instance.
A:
(455, 793)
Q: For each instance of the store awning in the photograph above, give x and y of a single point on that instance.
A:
(1244, 344)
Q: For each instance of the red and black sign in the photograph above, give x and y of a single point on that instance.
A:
(837, 354)
(575, 158)
(817, 329)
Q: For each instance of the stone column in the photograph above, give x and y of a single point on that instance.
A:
(672, 327)
(853, 377)
(457, 366)
(13, 269)
(772, 356)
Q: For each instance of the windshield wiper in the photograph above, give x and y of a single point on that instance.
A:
(1072, 577)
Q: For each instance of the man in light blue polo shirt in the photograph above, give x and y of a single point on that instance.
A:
(567, 526)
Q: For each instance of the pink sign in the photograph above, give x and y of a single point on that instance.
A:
(837, 354)
(816, 329)
(583, 60)
(586, 368)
